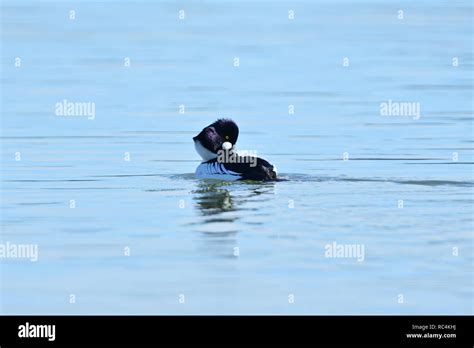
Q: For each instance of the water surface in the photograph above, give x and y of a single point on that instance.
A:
(242, 247)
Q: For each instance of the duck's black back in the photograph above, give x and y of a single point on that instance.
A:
(251, 168)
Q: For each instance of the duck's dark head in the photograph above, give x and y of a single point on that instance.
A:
(211, 138)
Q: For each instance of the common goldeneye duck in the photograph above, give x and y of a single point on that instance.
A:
(215, 144)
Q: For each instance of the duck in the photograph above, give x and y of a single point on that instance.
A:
(220, 160)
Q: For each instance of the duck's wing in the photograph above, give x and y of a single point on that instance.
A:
(252, 168)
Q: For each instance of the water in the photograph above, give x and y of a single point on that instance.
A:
(238, 248)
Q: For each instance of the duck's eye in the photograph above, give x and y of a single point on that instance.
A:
(227, 137)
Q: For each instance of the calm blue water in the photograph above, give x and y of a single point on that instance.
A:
(182, 233)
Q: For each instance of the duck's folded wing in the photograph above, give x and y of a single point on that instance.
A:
(252, 168)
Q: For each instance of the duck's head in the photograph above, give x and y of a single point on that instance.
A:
(212, 138)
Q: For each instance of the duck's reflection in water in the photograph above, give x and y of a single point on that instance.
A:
(213, 198)
(221, 205)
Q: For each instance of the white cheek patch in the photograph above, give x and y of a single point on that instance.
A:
(205, 154)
